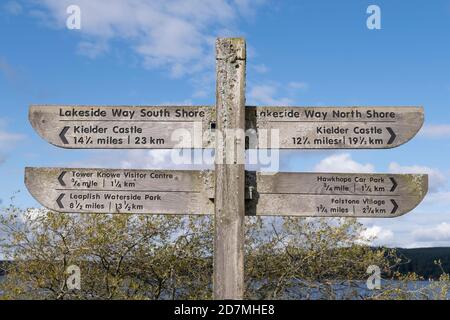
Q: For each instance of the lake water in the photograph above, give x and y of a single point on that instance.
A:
(342, 289)
(429, 289)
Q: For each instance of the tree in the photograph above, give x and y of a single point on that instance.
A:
(120, 256)
(170, 257)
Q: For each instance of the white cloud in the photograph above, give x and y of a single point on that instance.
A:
(343, 162)
(437, 180)
(436, 131)
(247, 7)
(273, 93)
(174, 34)
(438, 198)
(260, 68)
(440, 232)
(298, 85)
(8, 139)
(266, 95)
(376, 235)
(145, 159)
(92, 49)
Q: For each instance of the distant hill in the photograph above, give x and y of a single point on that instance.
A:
(421, 261)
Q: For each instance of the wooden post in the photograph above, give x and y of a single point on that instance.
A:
(229, 169)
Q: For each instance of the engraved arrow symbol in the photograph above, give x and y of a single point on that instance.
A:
(395, 206)
(392, 133)
(60, 178)
(62, 135)
(58, 201)
(394, 184)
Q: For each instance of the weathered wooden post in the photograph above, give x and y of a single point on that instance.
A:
(189, 192)
(229, 169)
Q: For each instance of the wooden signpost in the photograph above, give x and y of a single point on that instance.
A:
(122, 191)
(99, 127)
(335, 127)
(228, 192)
(334, 194)
(192, 192)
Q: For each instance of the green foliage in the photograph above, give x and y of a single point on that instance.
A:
(308, 258)
(170, 257)
(120, 256)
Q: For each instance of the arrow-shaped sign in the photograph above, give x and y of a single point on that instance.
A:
(191, 192)
(334, 194)
(394, 184)
(393, 135)
(62, 135)
(394, 210)
(60, 178)
(124, 127)
(122, 191)
(332, 127)
(58, 201)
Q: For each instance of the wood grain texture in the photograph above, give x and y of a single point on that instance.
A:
(228, 192)
(164, 127)
(230, 178)
(192, 192)
(121, 191)
(333, 127)
(124, 127)
(334, 194)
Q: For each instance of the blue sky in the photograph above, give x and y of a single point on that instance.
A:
(302, 53)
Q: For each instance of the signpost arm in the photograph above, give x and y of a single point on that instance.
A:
(184, 192)
(229, 169)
